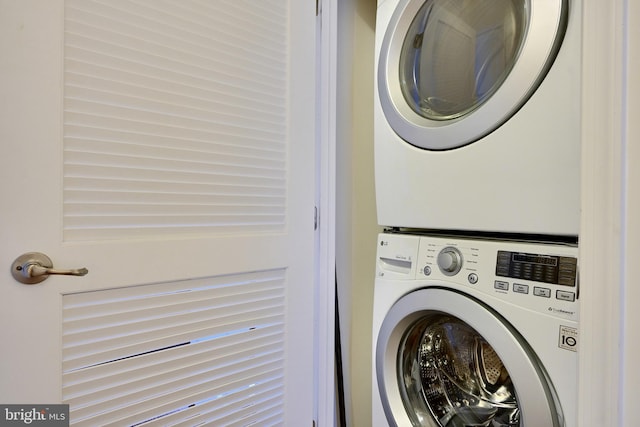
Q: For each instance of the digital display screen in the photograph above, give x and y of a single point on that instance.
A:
(536, 259)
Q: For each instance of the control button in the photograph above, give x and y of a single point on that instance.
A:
(450, 261)
(567, 271)
(520, 289)
(504, 257)
(503, 262)
(502, 270)
(566, 280)
(426, 270)
(565, 296)
(499, 284)
(542, 292)
(473, 278)
(538, 273)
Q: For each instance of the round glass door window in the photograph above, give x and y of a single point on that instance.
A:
(450, 374)
(456, 54)
(452, 71)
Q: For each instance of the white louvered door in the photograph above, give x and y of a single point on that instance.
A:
(168, 147)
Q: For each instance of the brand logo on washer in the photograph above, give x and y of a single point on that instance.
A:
(568, 338)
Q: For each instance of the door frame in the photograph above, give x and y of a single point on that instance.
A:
(326, 83)
(610, 222)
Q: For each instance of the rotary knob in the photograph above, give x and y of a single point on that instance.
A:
(450, 261)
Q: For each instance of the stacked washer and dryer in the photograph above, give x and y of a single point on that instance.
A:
(477, 167)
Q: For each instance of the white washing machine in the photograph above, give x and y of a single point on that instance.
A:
(477, 115)
(470, 332)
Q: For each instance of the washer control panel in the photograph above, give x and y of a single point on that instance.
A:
(538, 276)
(557, 270)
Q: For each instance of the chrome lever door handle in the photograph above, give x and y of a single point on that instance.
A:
(34, 267)
(37, 270)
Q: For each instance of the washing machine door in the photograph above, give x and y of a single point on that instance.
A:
(444, 359)
(452, 71)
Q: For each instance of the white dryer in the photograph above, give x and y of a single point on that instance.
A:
(470, 332)
(477, 115)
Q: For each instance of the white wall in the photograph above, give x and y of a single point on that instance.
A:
(356, 222)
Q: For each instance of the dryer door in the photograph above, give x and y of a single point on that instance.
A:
(452, 71)
(444, 359)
